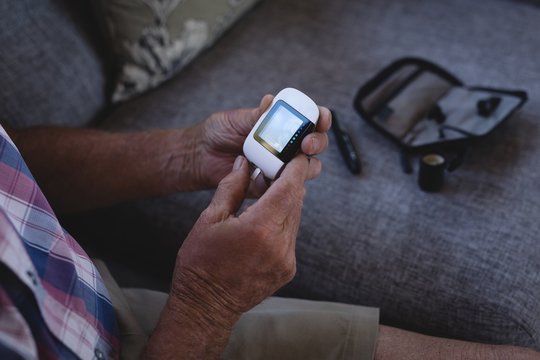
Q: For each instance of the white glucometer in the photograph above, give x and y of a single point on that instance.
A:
(276, 137)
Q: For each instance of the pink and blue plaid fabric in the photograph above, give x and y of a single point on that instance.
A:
(53, 303)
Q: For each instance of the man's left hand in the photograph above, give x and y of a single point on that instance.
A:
(220, 139)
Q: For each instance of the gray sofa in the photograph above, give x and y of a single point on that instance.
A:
(461, 263)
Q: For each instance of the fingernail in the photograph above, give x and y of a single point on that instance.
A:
(238, 162)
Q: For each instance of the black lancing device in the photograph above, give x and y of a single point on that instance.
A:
(346, 147)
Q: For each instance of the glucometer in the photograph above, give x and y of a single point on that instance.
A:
(276, 137)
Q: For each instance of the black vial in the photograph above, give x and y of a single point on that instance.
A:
(431, 174)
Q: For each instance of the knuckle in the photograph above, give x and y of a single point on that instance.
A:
(288, 271)
(259, 232)
(297, 169)
(296, 193)
(226, 182)
(229, 115)
(216, 116)
(207, 214)
(292, 273)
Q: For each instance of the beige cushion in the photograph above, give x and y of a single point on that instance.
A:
(153, 39)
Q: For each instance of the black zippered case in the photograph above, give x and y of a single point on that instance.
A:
(424, 108)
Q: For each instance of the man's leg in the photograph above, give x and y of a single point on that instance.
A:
(281, 328)
(397, 344)
(276, 329)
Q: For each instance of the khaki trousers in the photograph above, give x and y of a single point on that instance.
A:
(278, 328)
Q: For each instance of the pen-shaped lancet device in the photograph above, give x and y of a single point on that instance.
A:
(346, 146)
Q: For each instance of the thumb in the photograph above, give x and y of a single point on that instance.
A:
(230, 192)
(246, 118)
(265, 103)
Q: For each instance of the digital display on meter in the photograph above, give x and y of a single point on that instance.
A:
(282, 129)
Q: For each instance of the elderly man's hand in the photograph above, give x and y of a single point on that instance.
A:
(229, 263)
(219, 141)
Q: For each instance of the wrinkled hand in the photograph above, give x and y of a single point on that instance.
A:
(220, 139)
(229, 263)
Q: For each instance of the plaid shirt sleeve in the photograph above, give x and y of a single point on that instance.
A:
(53, 303)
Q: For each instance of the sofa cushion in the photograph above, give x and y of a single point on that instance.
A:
(461, 263)
(51, 71)
(152, 39)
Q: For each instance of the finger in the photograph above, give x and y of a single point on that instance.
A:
(258, 187)
(230, 192)
(243, 120)
(315, 168)
(315, 143)
(325, 119)
(265, 103)
(285, 196)
(256, 113)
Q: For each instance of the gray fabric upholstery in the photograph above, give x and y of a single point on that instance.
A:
(50, 72)
(463, 263)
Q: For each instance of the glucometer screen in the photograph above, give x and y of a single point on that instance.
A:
(282, 130)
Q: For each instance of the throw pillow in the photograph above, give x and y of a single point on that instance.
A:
(153, 39)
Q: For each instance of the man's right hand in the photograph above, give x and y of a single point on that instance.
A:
(229, 263)
(234, 262)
